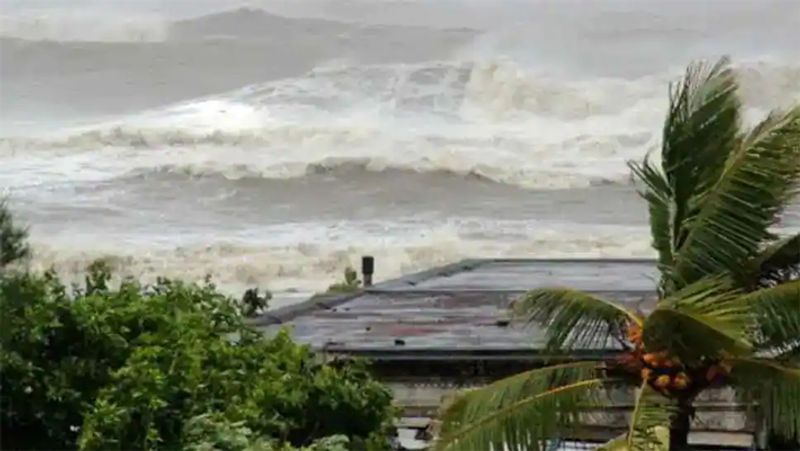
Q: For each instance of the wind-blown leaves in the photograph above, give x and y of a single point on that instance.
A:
(700, 131)
(648, 428)
(522, 412)
(733, 217)
(651, 413)
(719, 190)
(574, 319)
(777, 313)
(705, 319)
(776, 388)
(658, 195)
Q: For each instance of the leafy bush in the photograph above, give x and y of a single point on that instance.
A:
(254, 303)
(217, 433)
(348, 285)
(167, 366)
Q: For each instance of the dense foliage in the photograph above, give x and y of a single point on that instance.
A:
(727, 312)
(167, 366)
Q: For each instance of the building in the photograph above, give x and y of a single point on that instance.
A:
(449, 328)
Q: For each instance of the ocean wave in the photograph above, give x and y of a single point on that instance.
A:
(491, 119)
(411, 99)
(352, 168)
(578, 161)
(310, 266)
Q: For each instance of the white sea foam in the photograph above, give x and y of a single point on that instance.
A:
(489, 119)
(493, 119)
(308, 257)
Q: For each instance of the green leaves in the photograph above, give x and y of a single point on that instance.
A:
(658, 195)
(574, 319)
(127, 368)
(776, 388)
(349, 284)
(522, 412)
(650, 421)
(719, 188)
(777, 311)
(649, 425)
(700, 131)
(13, 245)
(707, 319)
(733, 215)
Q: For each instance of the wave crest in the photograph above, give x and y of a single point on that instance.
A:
(314, 265)
(491, 119)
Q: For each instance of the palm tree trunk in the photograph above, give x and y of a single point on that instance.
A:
(679, 430)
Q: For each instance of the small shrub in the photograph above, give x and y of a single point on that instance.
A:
(350, 283)
(253, 303)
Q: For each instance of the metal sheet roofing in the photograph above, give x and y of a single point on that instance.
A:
(460, 308)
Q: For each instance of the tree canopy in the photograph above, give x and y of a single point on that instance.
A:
(168, 366)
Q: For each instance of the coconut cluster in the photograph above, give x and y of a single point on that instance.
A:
(664, 372)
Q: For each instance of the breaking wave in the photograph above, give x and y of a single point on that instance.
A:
(492, 119)
(308, 265)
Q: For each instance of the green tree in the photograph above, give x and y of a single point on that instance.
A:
(13, 244)
(167, 366)
(728, 310)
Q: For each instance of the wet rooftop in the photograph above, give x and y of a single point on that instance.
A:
(456, 309)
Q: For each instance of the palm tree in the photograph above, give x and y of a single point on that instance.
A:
(728, 307)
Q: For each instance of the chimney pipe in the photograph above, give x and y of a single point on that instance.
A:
(367, 269)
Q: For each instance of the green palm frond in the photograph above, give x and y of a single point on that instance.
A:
(777, 315)
(652, 412)
(658, 195)
(574, 319)
(705, 319)
(777, 390)
(778, 263)
(522, 412)
(700, 131)
(733, 216)
(648, 428)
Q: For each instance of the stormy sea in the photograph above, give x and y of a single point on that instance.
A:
(272, 143)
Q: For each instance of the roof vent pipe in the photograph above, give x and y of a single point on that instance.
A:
(367, 269)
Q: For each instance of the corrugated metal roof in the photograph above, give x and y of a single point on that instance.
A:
(459, 313)
(460, 307)
(525, 274)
